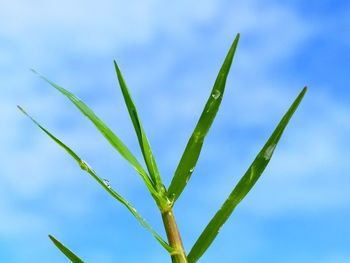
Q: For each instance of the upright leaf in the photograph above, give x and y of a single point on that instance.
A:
(69, 254)
(141, 136)
(84, 166)
(193, 148)
(243, 187)
(106, 132)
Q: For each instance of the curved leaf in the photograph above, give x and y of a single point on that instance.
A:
(106, 132)
(84, 166)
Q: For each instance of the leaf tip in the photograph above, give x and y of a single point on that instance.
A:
(116, 66)
(51, 238)
(302, 93)
(40, 76)
(21, 109)
(119, 73)
(34, 71)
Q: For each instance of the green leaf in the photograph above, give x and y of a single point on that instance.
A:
(106, 132)
(193, 148)
(243, 187)
(141, 136)
(69, 254)
(84, 166)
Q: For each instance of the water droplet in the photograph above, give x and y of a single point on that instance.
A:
(85, 166)
(216, 94)
(191, 170)
(107, 183)
(198, 136)
(172, 198)
(269, 151)
(219, 229)
(169, 202)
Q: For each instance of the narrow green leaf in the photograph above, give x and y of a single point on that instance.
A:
(193, 148)
(106, 132)
(71, 153)
(141, 136)
(69, 254)
(243, 187)
(86, 167)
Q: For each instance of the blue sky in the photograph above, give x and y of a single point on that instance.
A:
(170, 54)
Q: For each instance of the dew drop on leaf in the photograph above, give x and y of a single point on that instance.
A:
(172, 198)
(85, 166)
(252, 173)
(269, 151)
(216, 94)
(107, 183)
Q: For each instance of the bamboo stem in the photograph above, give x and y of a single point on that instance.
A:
(174, 238)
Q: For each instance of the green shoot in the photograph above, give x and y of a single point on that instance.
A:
(164, 198)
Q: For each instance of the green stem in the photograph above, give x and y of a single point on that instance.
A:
(174, 238)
